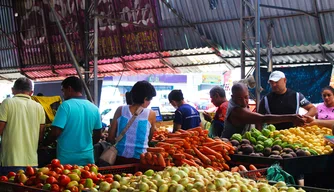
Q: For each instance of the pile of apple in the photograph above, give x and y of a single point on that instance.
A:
(57, 177)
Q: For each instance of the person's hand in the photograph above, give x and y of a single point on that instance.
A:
(309, 120)
(207, 116)
(298, 120)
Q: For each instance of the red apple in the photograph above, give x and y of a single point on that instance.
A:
(55, 188)
(4, 178)
(55, 162)
(51, 180)
(86, 174)
(64, 180)
(30, 171)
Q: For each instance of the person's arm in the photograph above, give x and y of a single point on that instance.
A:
(152, 119)
(307, 105)
(311, 110)
(98, 128)
(201, 125)
(113, 127)
(2, 126)
(176, 127)
(323, 123)
(53, 135)
(207, 116)
(42, 124)
(248, 117)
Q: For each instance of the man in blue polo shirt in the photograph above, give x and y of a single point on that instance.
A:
(186, 116)
(77, 125)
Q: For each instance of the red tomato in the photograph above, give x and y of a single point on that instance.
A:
(74, 189)
(89, 165)
(128, 175)
(54, 188)
(68, 166)
(64, 180)
(109, 179)
(52, 173)
(75, 167)
(58, 170)
(3, 178)
(55, 162)
(86, 168)
(82, 181)
(30, 171)
(11, 174)
(86, 174)
(21, 184)
(39, 185)
(109, 175)
(51, 180)
(30, 181)
(94, 177)
(99, 175)
(138, 173)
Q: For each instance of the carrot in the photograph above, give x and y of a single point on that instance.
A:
(186, 145)
(209, 151)
(174, 139)
(180, 143)
(168, 162)
(198, 161)
(171, 151)
(161, 160)
(242, 168)
(188, 156)
(226, 157)
(148, 156)
(226, 167)
(178, 156)
(202, 157)
(179, 135)
(210, 144)
(208, 139)
(204, 132)
(231, 152)
(197, 129)
(155, 159)
(142, 159)
(189, 162)
(164, 154)
(235, 169)
(190, 151)
(219, 147)
(212, 157)
(252, 167)
(155, 149)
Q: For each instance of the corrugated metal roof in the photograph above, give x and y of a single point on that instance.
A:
(222, 25)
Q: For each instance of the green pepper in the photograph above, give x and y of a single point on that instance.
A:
(261, 138)
(252, 140)
(268, 143)
(271, 127)
(255, 133)
(260, 142)
(266, 132)
(313, 152)
(248, 135)
(259, 148)
(277, 142)
(237, 137)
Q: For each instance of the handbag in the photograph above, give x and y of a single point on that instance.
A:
(110, 153)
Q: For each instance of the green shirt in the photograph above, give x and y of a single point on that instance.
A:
(23, 118)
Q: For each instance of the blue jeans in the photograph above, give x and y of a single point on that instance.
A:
(6, 170)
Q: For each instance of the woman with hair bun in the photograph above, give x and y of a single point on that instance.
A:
(326, 109)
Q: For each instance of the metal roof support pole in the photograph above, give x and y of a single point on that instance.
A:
(74, 60)
(202, 37)
(250, 23)
(96, 54)
(320, 32)
(86, 40)
(257, 52)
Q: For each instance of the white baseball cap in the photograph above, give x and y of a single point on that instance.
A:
(276, 76)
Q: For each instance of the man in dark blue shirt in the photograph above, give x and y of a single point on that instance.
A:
(186, 116)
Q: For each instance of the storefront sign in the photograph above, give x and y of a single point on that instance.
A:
(212, 79)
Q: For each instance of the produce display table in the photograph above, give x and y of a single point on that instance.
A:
(294, 166)
(128, 168)
(14, 187)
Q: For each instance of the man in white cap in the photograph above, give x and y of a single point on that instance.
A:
(282, 100)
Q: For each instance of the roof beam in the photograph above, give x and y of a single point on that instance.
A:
(288, 9)
(320, 32)
(238, 19)
(202, 37)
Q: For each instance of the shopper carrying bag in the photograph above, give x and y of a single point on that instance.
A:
(110, 153)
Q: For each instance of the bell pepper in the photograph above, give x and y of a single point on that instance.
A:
(259, 148)
(261, 138)
(255, 133)
(252, 140)
(248, 135)
(237, 137)
(260, 142)
(271, 127)
(313, 152)
(266, 132)
(268, 143)
(277, 142)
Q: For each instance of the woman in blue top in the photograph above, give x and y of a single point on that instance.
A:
(135, 140)
(186, 116)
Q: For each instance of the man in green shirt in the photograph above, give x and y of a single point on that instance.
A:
(21, 128)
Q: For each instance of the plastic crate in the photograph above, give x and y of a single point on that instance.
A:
(13, 187)
(256, 175)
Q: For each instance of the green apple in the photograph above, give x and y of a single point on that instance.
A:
(89, 183)
(117, 177)
(163, 188)
(143, 186)
(104, 186)
(113, 190)
(115, 185)
(47, 186)
(149, 172)
(74, 177)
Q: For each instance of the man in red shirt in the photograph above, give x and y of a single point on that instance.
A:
(218, 98)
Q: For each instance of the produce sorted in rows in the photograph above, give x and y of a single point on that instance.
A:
(192, 147)
(293, 142)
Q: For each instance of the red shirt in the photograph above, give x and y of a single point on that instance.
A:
(221, 112)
